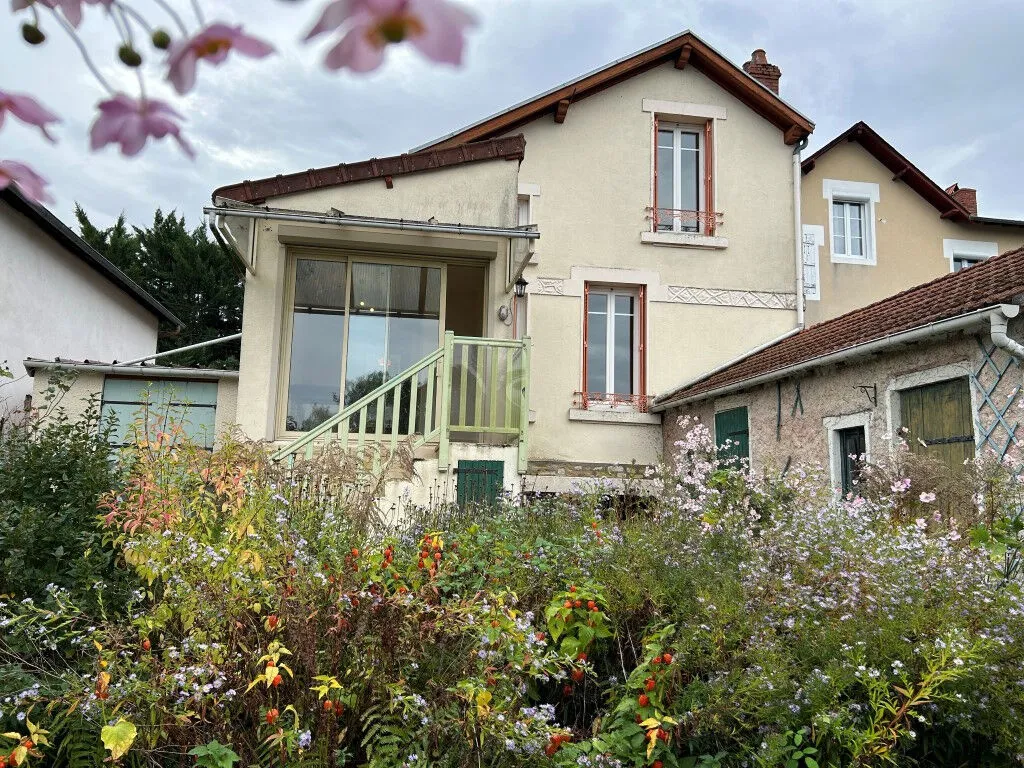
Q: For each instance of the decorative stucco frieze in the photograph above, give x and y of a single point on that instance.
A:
(548, 286)
(723, 297)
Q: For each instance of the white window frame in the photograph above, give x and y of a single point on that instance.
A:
(677, 130)
(833, 426)
(611, 292)
(860, 192)
(972, 250)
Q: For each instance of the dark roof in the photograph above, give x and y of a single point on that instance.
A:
(902, 169)
(508, 148)
(994, 281)
(76, 246)
(684, 49)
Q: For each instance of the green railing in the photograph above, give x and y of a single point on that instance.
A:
(474, 389)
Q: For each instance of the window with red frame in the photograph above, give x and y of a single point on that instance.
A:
(683, 188)
(614, 347)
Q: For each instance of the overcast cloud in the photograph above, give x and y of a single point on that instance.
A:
(939, 79)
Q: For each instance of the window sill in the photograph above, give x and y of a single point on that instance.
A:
(610, 416)
(861, 260)
(684, 240)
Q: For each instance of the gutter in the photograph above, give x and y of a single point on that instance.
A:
(152, 371)
(1000, 320)
(375, 223)
(189, 348)
(915, 334)
(798, 230)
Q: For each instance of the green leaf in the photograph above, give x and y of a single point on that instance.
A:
(118, 738)
(810, 762)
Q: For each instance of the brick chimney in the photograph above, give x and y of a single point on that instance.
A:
(966, 196)
(759, 69)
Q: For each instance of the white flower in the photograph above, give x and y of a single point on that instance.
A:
(927, 498)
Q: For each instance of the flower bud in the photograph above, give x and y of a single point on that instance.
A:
(33, 35)
(129, 56)
(161, 39)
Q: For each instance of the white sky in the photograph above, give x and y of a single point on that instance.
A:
(939, 79)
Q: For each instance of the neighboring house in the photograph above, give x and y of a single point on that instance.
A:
(874, 224)
(59, 297)
(942, 360)
(200, 401)
(647, 211)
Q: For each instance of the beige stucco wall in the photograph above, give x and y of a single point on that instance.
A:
(835, 391)
(908, 229)
(482, 193)
(595, 177)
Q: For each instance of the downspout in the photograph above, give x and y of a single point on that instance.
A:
(1000, 320)
(798, 231)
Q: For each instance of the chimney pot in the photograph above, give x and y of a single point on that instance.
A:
(759, 69)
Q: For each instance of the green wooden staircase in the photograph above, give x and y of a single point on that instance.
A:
(476, 389)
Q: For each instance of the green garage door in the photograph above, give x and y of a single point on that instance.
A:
(940, 416)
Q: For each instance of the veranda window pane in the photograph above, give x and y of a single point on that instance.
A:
(597, 343)
(318, 327)
(624, 344)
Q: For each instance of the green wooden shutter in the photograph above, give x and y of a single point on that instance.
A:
(479, 482)
(939, 415)
(733, 425)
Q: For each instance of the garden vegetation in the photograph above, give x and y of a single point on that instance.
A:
(212, 609)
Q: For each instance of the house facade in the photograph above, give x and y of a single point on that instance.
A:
(637, 210)
(62, 298)
(874, 224)
(939, 364)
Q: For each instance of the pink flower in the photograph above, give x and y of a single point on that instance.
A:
(130, 122)
(436, 28)
(927, 498)
(31, 184)
(212, 44)
(28, 110)
(72, 8)
(901, 486)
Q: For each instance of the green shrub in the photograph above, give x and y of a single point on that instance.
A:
(53, 471)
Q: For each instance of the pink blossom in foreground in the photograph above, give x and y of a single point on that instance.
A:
(28, 110)
(927, 498)
(212, 44)
(436, 28)
(130, 122)
(72, 9)
(30, 183)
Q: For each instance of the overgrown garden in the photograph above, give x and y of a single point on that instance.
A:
(182, 607)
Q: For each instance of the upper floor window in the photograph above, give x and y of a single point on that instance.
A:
(682, 191)
(849, 233)
(967, 253)
(963, 261)
(613, 348)
(851, 206)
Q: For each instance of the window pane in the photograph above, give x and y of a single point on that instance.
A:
(856, 229)
(689, 184)
(839, 228)
(524, 210)
(395, 321)
(665, 138)
(688, 140)
(318, 326)
(665, 186)
(624, 342)
(597, 343)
